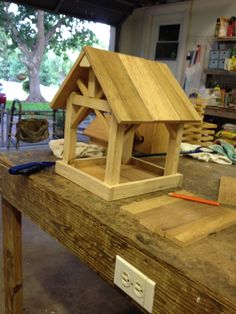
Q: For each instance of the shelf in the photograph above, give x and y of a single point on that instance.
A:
(220, 72)
(221, 112)
(224, 39)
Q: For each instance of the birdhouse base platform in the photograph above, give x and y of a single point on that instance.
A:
(136, 177)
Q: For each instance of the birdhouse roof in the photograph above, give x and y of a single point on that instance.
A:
(137, 90)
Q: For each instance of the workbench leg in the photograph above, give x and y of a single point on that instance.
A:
(12, 258)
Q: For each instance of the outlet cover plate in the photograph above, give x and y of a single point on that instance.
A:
(134, 283)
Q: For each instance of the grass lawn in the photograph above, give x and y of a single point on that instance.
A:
(27, 106)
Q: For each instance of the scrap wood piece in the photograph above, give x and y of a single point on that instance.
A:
(227, 194)
(178, 220)
(201, 228)
(207, 125)
(206, 144)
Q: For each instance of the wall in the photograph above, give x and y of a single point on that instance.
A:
(203, 18)
(132, 33)
(199, 24)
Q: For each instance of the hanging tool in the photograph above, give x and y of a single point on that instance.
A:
(30, 167)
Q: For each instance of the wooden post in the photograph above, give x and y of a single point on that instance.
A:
(12, 258)
(114, 152)
(175, 137)
(93, 85)
(128, 143)
(70, 133)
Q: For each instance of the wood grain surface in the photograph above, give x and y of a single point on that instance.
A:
(199, 279)
(180, 221)
(227, 191)
(138, 90)
(12, 254)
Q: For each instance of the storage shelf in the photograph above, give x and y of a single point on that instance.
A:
(224, 38)
(228, 113)
(218, 76)
(220, 72)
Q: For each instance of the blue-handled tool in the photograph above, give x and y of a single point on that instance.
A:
(31, 167)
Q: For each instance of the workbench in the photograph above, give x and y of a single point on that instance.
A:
(197, 279)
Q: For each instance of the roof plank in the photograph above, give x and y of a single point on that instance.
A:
(137, 90)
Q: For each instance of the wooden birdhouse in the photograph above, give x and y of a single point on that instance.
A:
(131, 90)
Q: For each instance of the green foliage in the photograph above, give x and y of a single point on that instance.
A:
(25, 86)
(60, 119)
(20, 31)
(9, 59)
(3, 54)
(15, 65)
(54, 68)
(71, 33)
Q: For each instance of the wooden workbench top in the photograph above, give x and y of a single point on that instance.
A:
(200, 278)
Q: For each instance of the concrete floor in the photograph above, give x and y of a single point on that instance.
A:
(56, 282)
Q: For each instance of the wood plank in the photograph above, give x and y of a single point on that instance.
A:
(84, 62)
(128, 147)
(175, 95)
(103, 120)
(167, 217)
(140, 207)
(96, 131)
(123, 96)
(96, 171)
(83, 179)
(192, 129)
(172, 156)
(82, 87)
(197, 230)
(99, 94)
(70, 133)
(79, 116)
(93, 103)
(227, 191)
(195, 280)
(206, 144)
(135, 173)
(155, 137)
(12, 257)
(136, 208)
(77, 163)
(205, 138)
(131, 98)
(206, 131)
(148, 166)
(208, 125)
(183, 222)
(93, 85)
(128, 143)
(146, 186)
(113, 192)
(128, 173)
(114, 152)
(191, 136)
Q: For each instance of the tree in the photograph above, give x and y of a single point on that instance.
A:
(34, 32)
(57, 67)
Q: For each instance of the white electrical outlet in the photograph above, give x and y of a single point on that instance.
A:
(134, 283)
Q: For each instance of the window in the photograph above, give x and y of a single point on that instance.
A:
(168, 42)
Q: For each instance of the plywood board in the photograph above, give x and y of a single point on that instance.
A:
(227, 194)
(183, 222)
